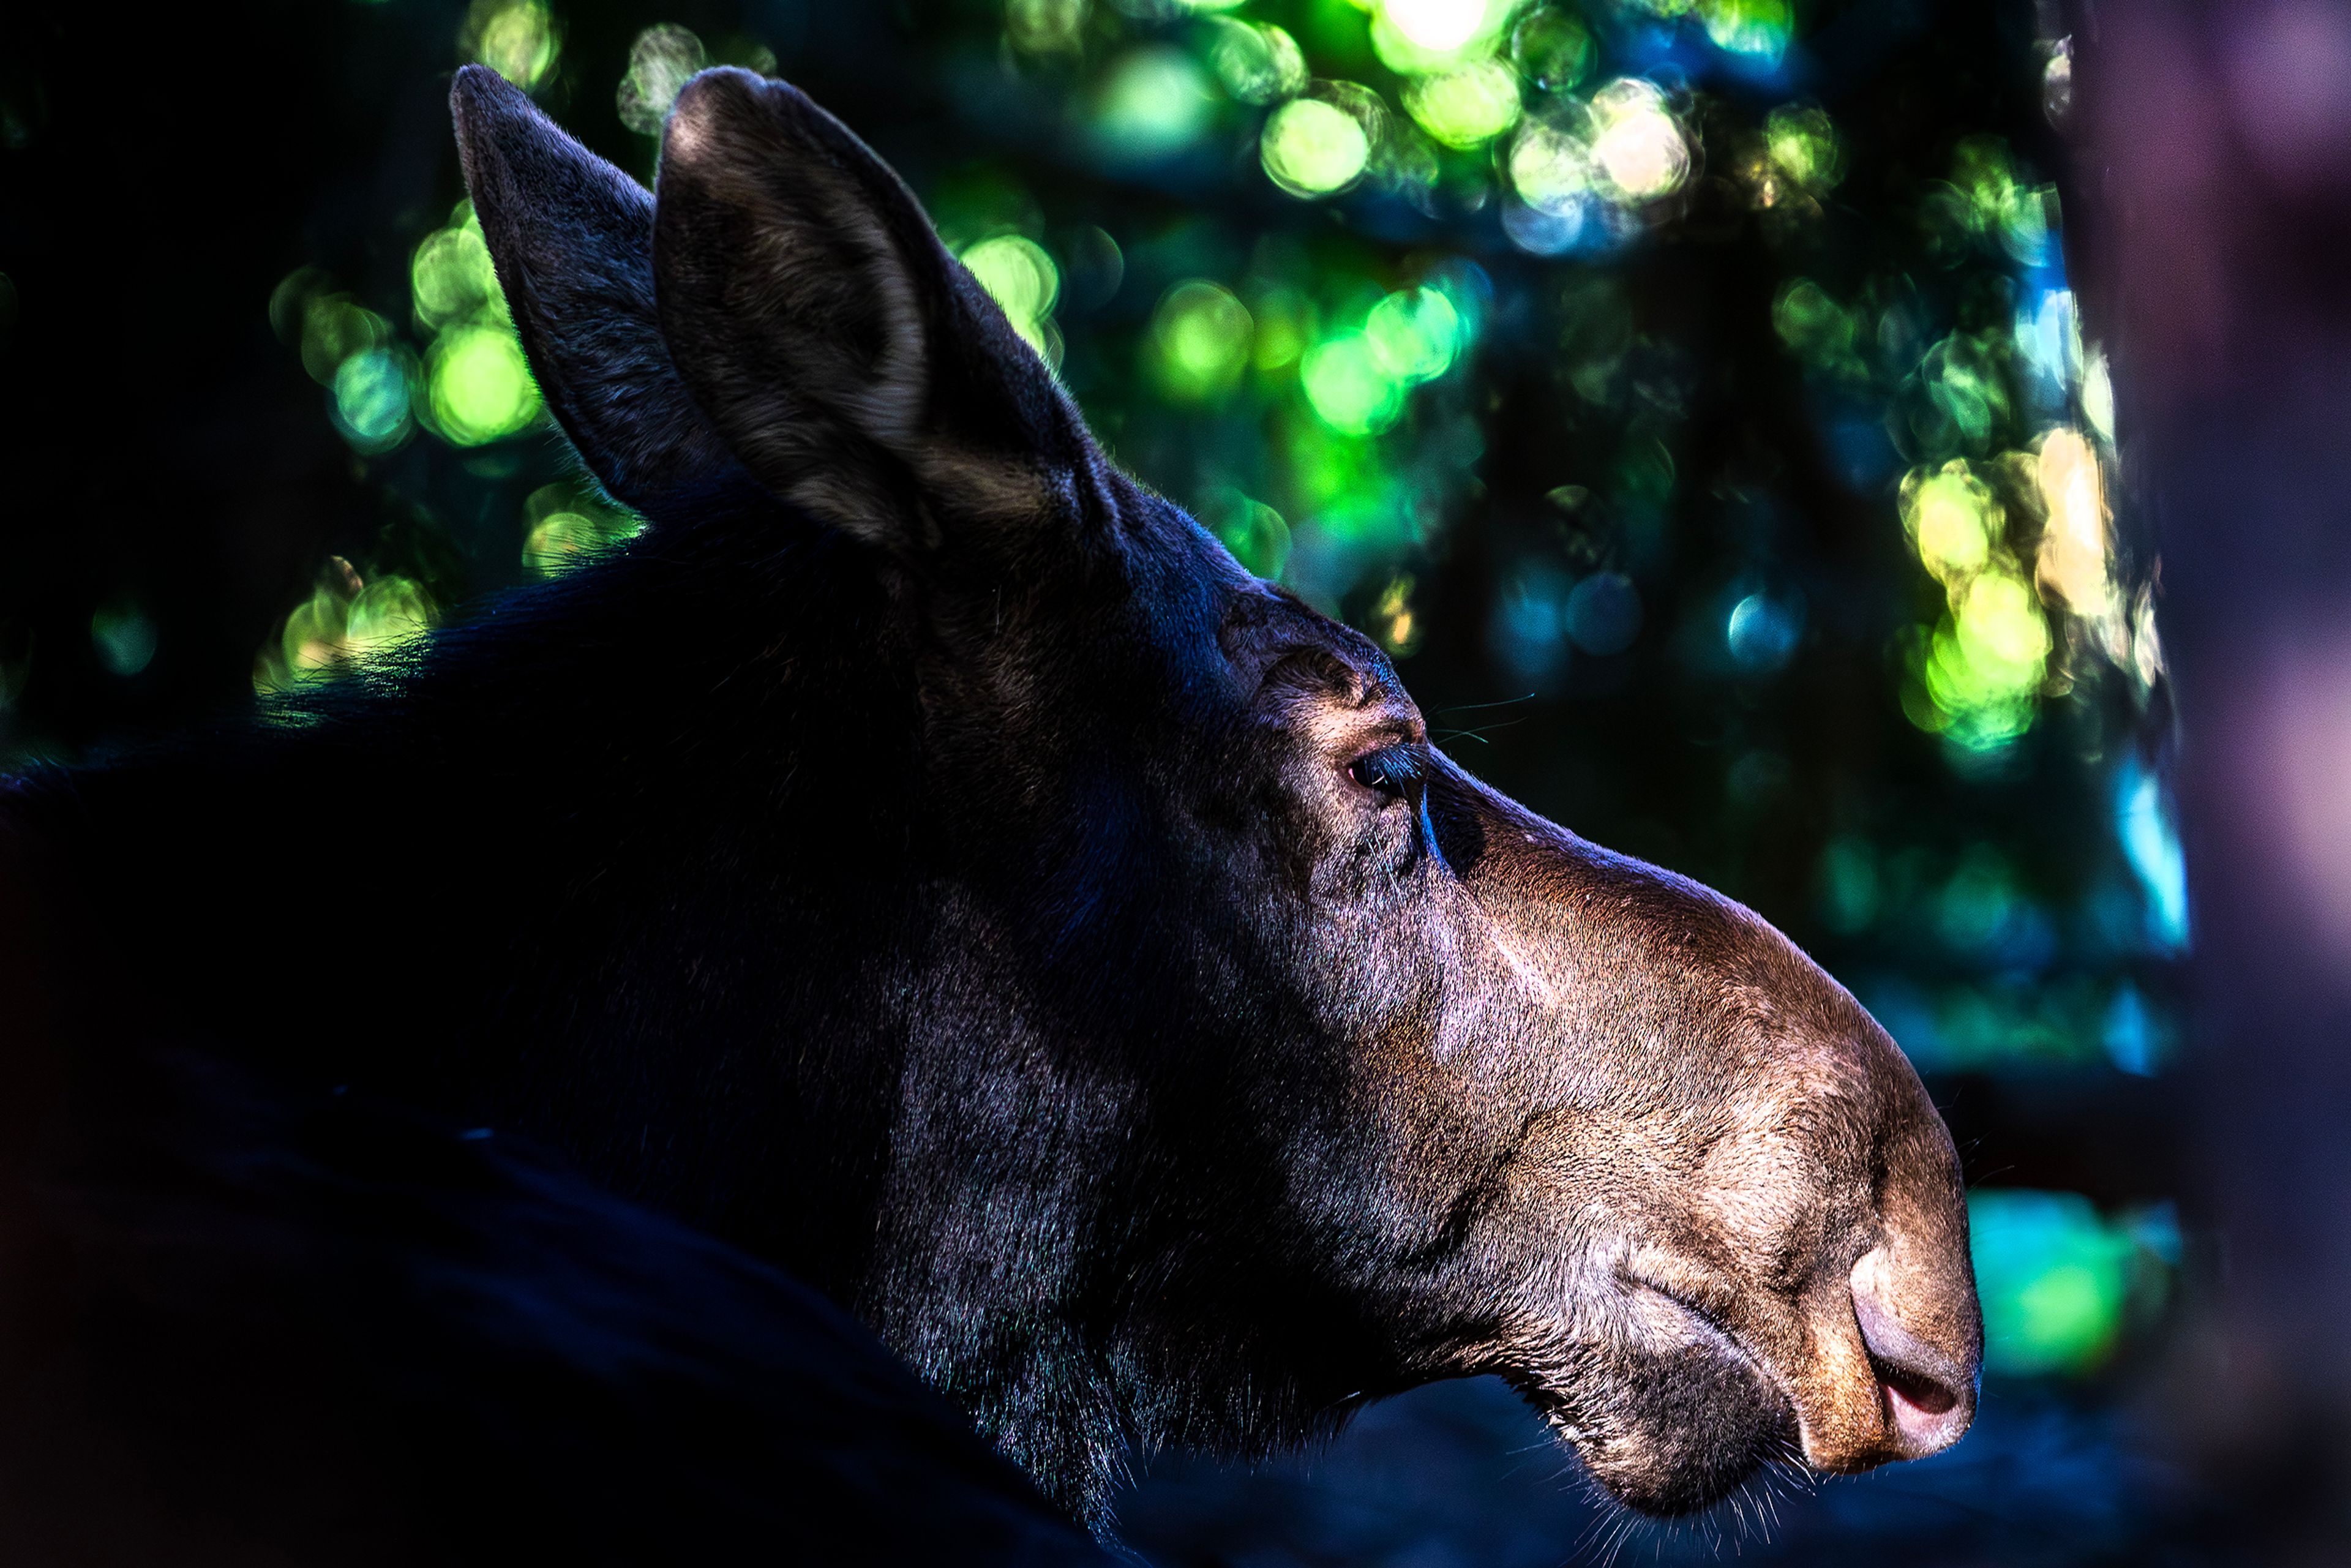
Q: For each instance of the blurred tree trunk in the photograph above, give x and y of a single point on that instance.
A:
(2215, 141)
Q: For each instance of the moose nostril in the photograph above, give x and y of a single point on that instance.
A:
(1929, 1396)
(1915, 1389)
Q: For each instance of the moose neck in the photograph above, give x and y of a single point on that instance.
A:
(690, 928)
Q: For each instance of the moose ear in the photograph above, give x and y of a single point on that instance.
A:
(572, 238)
(852, 363)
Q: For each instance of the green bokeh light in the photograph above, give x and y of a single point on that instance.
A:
(1018, 274)
(1258, 536)
(1414, 334)
(1415, 38)
(333, 329)
(478, 387)
(516, 39)
(1977, 675)
(124, 637)
(1285, 325)
(1021, 277)
(1046, 26)
(1257, 62)
(373, 394)
(344, 619)
(1803, 146)
(1465, 107)
(1312, 148)
(567, 525)
(1348, 387)
(1758, 29)
(451, 275)
(1154, 102)
(1553, 49)
(1199, 341)
(389, 610)
(1822, 334)
(663, 58)
(2058, 1282)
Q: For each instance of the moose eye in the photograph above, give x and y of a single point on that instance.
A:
(1393, 771)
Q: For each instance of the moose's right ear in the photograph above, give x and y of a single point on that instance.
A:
(572, 238)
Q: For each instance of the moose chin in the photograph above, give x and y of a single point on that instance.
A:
(920, 894)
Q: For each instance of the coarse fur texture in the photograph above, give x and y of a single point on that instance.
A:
(926, 862)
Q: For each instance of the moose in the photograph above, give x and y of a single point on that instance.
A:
(851, 1012)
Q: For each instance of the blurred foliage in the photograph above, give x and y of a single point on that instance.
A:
(1692, 390)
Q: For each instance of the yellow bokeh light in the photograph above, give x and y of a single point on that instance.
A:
(516, 39)
(1952, 518)
(2002, 631)
(1312, 148)
(1347, 386)
(1976, 677)
(478, 387)
(1637, 141)
(1199, 340)
(1393, 621)
(1465, 107)
(1550, 168)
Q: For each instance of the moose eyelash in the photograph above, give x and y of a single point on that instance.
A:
(1396, 771)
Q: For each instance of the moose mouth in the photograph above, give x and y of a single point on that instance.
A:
(1670, 1424)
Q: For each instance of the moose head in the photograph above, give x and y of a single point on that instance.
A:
(1247, 1059)
(955, 879)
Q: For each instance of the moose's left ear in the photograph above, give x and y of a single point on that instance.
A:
(852, 363)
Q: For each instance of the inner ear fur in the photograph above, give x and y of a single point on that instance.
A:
(852, 363)
(572, 240)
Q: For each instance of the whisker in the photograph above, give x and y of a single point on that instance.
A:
(1473, 707)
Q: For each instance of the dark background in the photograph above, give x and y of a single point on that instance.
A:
(1706, 406)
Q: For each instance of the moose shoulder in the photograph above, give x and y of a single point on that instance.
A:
(924, 861)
